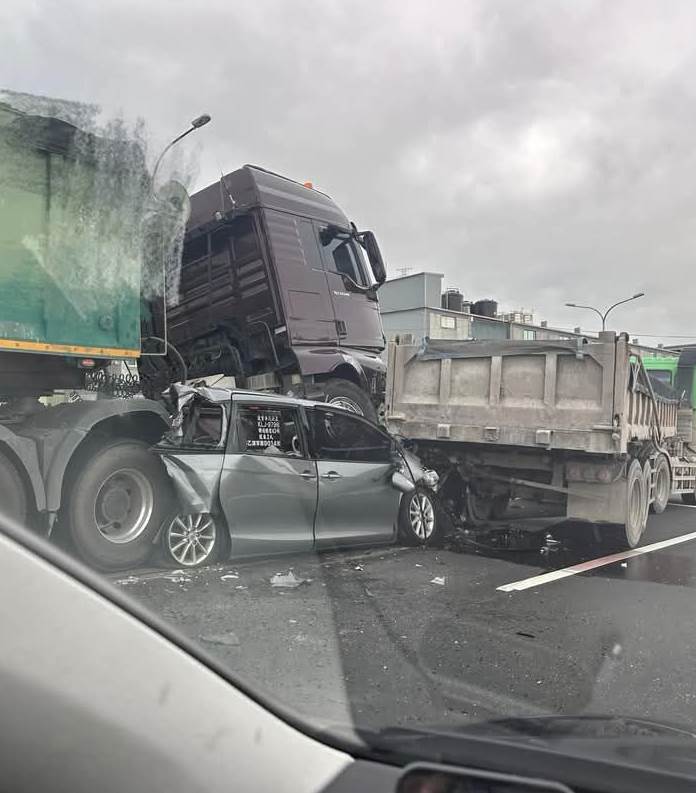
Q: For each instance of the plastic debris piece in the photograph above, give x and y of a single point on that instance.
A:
(440, 580)
(241, 586)
(624, 564)
(418, 565)
(288, 579)
(228, 576)
(228, 639)
(358, 567)
(131, 579)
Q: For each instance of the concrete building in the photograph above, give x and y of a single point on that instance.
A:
(412, 305)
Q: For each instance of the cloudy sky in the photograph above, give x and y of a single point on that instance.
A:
(535, 152)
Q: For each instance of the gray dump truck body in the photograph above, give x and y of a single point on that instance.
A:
(564, 420)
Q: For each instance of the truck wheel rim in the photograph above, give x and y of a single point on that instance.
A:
(191, 538)
(422, 516)
(123, 506)
(346, 403)
(662, 485)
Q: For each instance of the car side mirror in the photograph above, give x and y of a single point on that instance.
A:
(402, 483)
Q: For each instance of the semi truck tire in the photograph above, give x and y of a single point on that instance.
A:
(13, 497)
(663, 485)
(117, 503)
(637, 498)
(349, 396)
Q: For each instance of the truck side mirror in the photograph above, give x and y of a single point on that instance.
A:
(375, 256)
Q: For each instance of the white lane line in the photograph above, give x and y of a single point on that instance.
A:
(688, 506)
(555, 575)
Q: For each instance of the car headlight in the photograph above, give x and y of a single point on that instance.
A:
(430, 479)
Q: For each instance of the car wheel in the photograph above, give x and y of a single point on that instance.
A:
(419, 519)
(191, 540)
(117, 503)
(347, 395)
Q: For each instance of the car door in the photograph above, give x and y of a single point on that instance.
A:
(268, 485)
(357, 316)
(357, 502)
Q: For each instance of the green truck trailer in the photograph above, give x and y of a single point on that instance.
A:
(84, 243)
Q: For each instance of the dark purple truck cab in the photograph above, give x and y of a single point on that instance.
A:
(278, 289)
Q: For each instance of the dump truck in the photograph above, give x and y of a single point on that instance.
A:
(579, 427)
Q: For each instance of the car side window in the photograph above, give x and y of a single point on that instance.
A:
(268, 430)
(338, 435)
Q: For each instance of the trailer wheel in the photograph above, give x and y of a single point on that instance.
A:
(117, 503)
(663, 485)
(13, 498)
(637, 498)
(349, 396)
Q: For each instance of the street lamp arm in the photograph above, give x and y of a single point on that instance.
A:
(589, 308)
(620, 302)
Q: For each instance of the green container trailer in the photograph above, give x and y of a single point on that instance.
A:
(72, 207)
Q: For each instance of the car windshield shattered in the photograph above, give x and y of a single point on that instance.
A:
(303, 412)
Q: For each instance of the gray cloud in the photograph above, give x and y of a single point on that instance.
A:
(537, 152)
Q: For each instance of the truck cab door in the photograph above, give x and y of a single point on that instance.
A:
(302, 281)
(357, 316)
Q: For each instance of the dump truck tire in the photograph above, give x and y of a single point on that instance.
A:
(117, 503)
(629, 532)
(349, 396)
(663, 485)
(13, 497)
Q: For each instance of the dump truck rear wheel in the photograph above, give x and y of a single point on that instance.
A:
(117, 503)
(13, 497)
(637, 498)
(663, 485)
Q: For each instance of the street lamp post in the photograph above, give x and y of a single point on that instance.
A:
(603, 316)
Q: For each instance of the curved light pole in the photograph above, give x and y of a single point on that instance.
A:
(603, 316)
(197, 123)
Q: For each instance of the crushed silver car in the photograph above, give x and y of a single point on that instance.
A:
(239, 461)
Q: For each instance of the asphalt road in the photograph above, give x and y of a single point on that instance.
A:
(402, 636)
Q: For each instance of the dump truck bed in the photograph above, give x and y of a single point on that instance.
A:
(591, 396)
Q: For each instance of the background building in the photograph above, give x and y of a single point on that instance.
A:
(416, 304)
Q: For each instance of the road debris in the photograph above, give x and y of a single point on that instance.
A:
(358, 567)
(440, 580)
(229, 639)
(228, 576)
(131, 579)
(624, 564)
(288, 579)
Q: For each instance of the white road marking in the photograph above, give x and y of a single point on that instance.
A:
(688, 506)
(555, 575)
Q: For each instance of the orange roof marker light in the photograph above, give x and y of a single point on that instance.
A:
(309, 185)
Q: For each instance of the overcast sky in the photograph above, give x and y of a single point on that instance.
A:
(534, 152)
